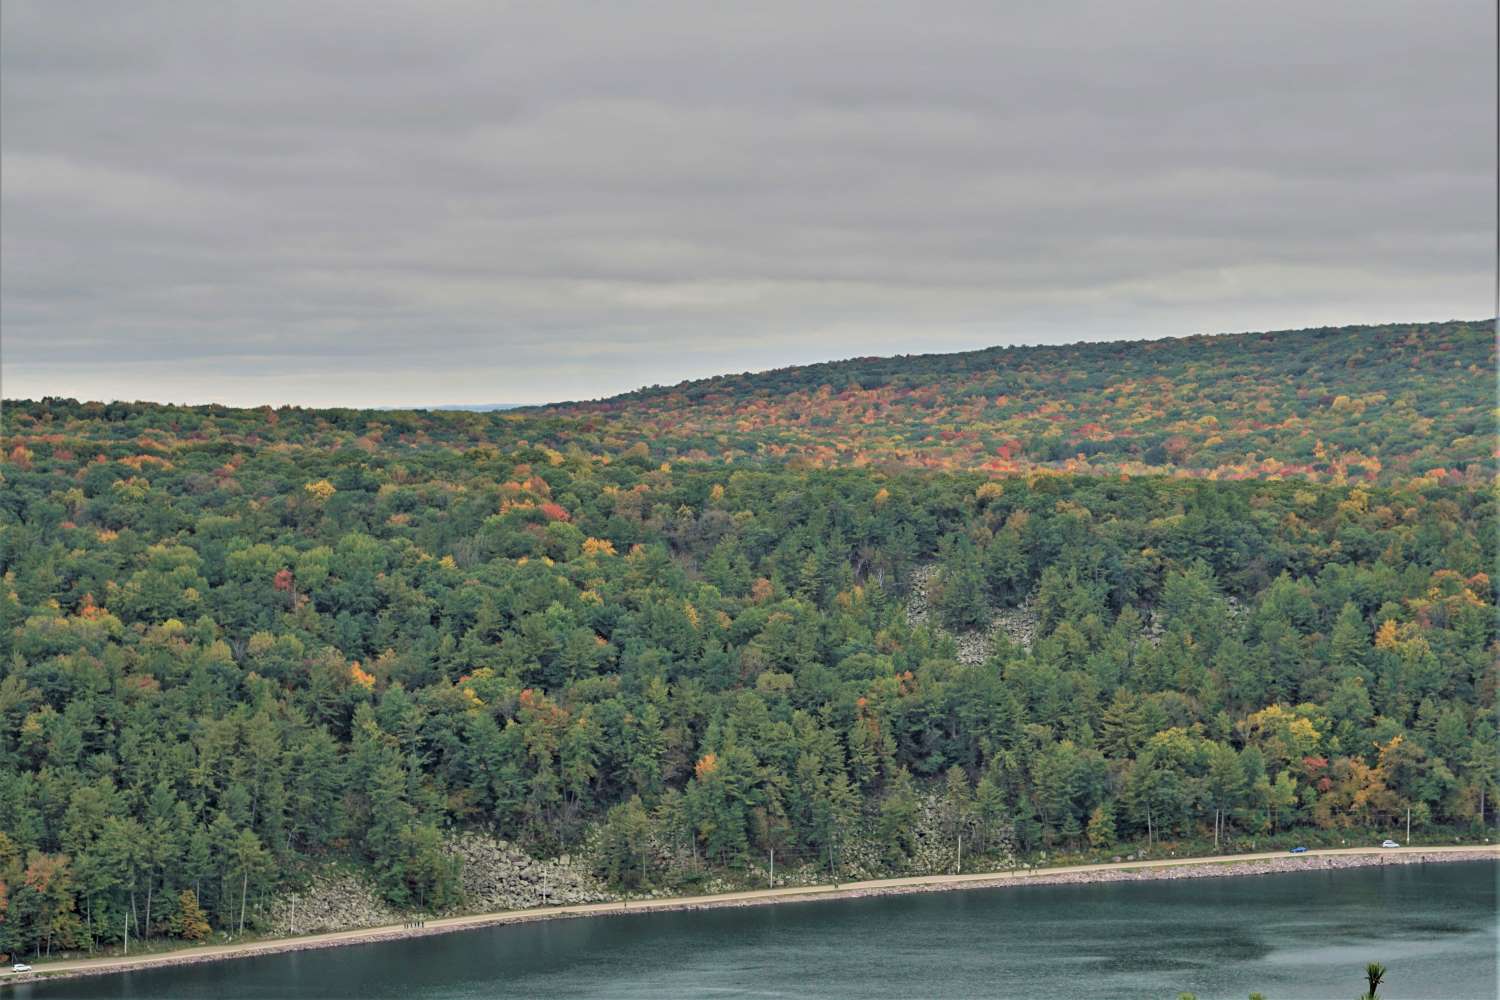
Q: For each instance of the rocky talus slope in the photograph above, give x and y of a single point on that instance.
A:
(1017, 624)
(334, 900)
(494, 876)
(497, 876)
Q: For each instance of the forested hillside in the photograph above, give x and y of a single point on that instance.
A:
(242, 644)
(1354, 403)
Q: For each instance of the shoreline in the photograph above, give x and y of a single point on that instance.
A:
(1215, 866)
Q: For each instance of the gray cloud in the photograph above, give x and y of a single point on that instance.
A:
(430, 203)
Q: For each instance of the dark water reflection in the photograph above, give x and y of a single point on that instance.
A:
(1289, 936)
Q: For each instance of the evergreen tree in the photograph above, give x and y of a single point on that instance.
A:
(960, 598)
(898, 818)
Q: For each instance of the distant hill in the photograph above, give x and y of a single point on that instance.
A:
(474, 407)
(1379, 404)
(1372, 402)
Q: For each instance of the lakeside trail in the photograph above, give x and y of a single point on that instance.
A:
(1215, 866)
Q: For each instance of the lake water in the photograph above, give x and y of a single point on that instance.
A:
(1303, 935)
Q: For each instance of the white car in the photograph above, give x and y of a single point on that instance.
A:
(20, 967)
(1390, 843)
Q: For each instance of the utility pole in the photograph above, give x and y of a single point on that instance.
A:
(835, 849)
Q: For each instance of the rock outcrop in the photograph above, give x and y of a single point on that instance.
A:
(497, 876)
(494, 876)
(335, 900)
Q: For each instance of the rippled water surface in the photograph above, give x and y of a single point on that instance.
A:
(1289, 936)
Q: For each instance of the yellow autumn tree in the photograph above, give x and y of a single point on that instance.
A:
(320, 490)
(598, 547)
(189, 923)
(1283, 735)
(1385, 636)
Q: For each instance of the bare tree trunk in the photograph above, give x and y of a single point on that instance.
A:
(244, 888)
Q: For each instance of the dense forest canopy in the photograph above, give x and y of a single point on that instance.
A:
(241, 643)
(1358, 403)
(1352, 404)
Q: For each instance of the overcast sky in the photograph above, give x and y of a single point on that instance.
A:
(429, 203)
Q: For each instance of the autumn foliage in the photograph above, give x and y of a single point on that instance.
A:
(1101, 597)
